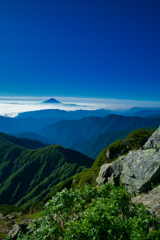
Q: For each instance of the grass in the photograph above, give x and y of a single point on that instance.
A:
(3, 236)
(30, 216)
(2, 222)
(34, 215)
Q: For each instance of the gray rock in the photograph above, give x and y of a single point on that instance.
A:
(14, 231)
(151, 200)
(137, 170)
(110, 172)
(115, 171)
(108, 153)
(1, 216)
(154, 140)
(140, 169)
(104, 173)
(16, 228)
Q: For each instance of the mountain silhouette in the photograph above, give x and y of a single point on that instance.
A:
(51, 100)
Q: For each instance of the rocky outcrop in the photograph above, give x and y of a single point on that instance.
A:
(154, 141)
(16, 228)
(110, 172)
(151, 200)
(104, 173)
(138, 169)
(11, 224)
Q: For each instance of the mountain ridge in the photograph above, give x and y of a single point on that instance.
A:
(67, 132)
(28, 175)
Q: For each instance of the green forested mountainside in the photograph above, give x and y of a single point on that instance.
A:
(67, 133)
(30, 135)
(23, 142)
(29, 175)
(92, 147)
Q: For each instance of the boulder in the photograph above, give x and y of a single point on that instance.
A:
(110, 172)
(1, 216)
(104, 173)
(16, 228)
(151, 200)
(154, 141)
(137, 170)
(115, 171)
(140, 169)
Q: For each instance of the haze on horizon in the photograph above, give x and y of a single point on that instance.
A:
(81, 49)
(12, 106)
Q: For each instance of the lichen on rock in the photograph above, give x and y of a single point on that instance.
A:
(138, 169)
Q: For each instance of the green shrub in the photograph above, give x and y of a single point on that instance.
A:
(138, 138)
(7, 209)
(94, 214)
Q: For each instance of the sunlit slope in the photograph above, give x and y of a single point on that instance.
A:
(29, 175)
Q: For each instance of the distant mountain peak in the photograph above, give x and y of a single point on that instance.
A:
(51, 100)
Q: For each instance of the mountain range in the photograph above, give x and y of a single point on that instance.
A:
(78, 114)
(92, 147)
(72, 133)
(27, 175)
(30, 169)
(67, 133)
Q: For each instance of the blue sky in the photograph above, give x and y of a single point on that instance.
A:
(80, 48)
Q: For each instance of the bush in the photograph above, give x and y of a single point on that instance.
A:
(94, 214)
(7, 209)
(138, 138)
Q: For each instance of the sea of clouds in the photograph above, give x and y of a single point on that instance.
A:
(12, 106)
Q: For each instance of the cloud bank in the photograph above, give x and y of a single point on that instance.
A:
(12, 106)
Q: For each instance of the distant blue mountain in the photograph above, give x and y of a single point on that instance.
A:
(30, 135)
(70, 115)
(67, 133)
(51, 100)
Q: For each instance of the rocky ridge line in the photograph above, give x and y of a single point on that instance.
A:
(139, 171)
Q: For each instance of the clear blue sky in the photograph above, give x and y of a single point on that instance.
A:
(80, 48)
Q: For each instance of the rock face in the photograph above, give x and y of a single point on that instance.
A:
(110, 172)
(153, 141)
(138, 169)
(15, 230)
(151, 200)
(104, 173)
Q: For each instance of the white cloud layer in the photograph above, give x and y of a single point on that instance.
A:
(12, 106)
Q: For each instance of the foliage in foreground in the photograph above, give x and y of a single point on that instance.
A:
(7, 209)
(93, 214)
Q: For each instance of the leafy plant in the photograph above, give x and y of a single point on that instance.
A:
(138, 138)
(93, 214)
